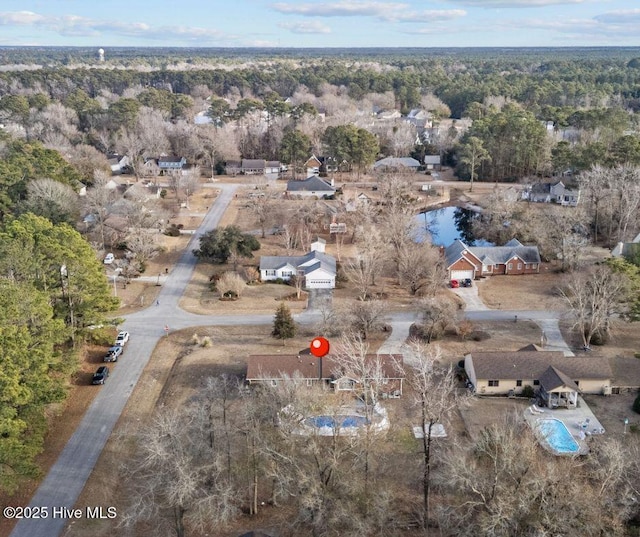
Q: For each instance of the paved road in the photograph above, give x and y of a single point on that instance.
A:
(67, 477)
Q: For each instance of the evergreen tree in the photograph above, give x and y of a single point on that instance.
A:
(283, 325)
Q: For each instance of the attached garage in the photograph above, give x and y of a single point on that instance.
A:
(461, 274)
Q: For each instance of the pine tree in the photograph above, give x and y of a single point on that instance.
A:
(283, 324)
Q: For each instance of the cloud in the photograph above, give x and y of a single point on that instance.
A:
(622, 16)
(26, 18)
(305, 27)
(515, 3)
(384, 11)
(72, 25)
(340, 9)
(605, 26)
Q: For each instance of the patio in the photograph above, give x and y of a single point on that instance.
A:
(579, 420)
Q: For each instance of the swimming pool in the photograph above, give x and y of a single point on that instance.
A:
(336, 421)
(555, 433)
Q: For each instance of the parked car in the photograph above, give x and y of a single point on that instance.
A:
(122, 338)
(101, 375)
(109, 259)
(454, 284)
(113, 354)
(467, 282)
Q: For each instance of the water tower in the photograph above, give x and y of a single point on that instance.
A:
(101, 54)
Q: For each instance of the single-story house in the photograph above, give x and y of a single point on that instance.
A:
(312, 186)
(472, 262)
(432, 162)
(253, 166)
(171, 164)
(272, 167)
(398, 164)
(624, 249)
(557, 378)
(317, 269)
(313, 371)
(556, 192)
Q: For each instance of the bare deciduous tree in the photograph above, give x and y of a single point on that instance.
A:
(421, 268)
(231, 284)
(362, 317)
(437, 313)
(593, 298)
(435, 394)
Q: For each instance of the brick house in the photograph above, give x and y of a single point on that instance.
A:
(472, 262)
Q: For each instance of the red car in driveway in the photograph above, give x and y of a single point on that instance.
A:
(454, 284)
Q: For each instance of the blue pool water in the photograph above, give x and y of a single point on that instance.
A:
(343, 421)
(558, 436)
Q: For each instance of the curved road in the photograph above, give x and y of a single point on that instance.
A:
(67, 477)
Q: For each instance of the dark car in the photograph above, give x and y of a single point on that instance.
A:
(113, 353)
(467, 282)
(101, 375)
(454, 284)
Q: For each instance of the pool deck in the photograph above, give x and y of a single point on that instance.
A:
(573, 418)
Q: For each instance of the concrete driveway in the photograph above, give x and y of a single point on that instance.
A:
(471, 298)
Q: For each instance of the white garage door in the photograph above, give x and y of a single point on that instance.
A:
(461, 274)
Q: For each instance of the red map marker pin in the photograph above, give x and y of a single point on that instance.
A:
(319, 347)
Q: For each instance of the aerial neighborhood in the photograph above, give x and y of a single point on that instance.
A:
(286, 295)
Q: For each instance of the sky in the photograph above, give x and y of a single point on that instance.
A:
(320, 23)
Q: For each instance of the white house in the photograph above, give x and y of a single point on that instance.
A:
(317, 269)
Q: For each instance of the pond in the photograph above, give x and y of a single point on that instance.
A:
(448, 224)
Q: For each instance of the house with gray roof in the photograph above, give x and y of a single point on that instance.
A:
(397, 164)
(556, 192)
(432, 162)
(317, 269)
(472, 262)
(312, 186)
(557, 378)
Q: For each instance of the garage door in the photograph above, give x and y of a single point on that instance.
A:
(461, 274)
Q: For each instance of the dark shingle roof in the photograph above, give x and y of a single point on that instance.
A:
(553, 379)
(311, 184)
(626, 371)
(275, 366)
(397, 162)
(253, 164)
(514, 365)
(492, 255)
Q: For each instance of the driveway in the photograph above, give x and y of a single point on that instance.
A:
(471, 298)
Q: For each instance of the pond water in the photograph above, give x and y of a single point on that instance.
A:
(448, 224)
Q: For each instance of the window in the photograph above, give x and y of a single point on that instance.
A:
(309, 382)
(536, 383)
(287, 274)
(510, 266)
(518, 383)
(534, 266)
(494, 383)
(270, 272)
(519, 266)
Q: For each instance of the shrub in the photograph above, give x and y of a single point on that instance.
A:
(528, 391)
(206, 342)
(172, 231)
(163, 193)
(230, 285)
(195, 339)
(636, 404)
(100, 336)
(479, 335)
